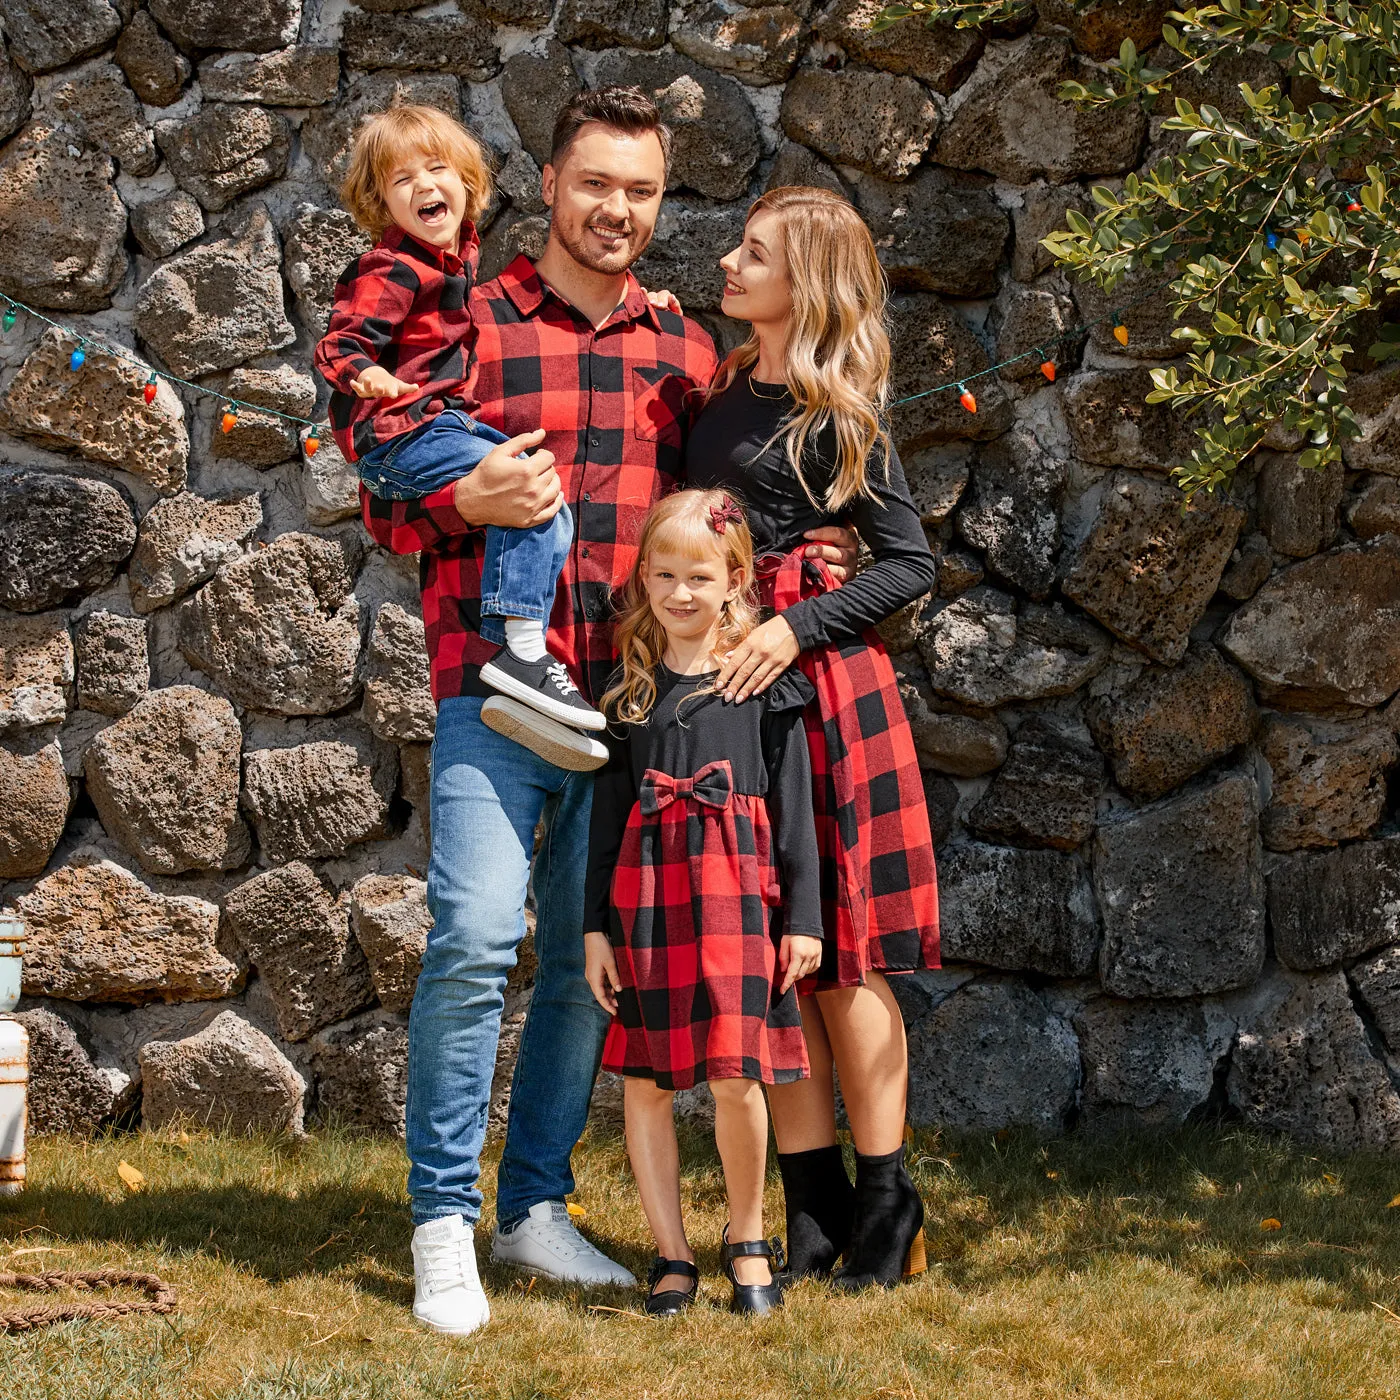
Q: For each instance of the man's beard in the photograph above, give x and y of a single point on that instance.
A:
(610, 264)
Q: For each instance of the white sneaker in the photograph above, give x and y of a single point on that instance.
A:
(447, 1292)
(555, 743)
(547, 1243)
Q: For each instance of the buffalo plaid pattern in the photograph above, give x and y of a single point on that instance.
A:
(616, 403)
(879, 885)
(693, 896)
(401, 306)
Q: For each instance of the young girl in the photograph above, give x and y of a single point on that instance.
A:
(703, 868)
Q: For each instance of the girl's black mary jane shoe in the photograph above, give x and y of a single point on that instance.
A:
(753, 1297)
(672, 1300)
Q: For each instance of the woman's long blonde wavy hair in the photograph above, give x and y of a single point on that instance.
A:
(684, 523)
(838, 349)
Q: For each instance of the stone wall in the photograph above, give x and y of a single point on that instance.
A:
(1155, 738)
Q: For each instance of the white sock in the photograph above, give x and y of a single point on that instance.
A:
(525, 638)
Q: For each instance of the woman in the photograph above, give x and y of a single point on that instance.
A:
(793, 425)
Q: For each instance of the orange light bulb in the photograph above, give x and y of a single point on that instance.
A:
(311, 444)
(967, 400)
(1120, 333)
(229, 419)
(1047, 368)
(149, 392)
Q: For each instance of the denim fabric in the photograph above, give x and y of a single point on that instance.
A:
(488, 795)
(519, 568)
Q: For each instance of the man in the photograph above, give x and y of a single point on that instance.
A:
(576, 364)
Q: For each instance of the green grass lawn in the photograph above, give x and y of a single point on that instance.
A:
(1124, 1268)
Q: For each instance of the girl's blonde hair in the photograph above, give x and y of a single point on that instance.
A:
(838, 349)
(696, 524)
(384, 140)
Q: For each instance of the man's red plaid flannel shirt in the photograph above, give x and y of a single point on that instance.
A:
(616, 404)
(401, 306)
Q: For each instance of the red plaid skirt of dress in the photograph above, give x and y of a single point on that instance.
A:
(694, 890)
(879, 886)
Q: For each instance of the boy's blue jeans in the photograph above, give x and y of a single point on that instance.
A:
(520, 567)
(488, 794)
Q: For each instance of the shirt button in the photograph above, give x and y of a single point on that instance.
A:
(593, 442)
(587, 495)
(584, 551)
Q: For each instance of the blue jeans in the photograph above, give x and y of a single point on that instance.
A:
(488, 793)
(520, 567)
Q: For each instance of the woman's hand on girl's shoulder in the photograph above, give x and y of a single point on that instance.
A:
(758, 660)
(799, 956)
(600, 970)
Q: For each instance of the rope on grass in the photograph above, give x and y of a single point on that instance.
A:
(161, 1298)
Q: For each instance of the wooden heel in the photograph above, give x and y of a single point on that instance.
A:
(916, 1261)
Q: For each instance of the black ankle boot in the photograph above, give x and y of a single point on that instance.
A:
(887, 1239)
(821, 1204)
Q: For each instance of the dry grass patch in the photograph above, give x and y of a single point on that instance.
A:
(1130, 1268)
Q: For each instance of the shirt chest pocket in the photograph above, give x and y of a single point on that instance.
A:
(658, 405)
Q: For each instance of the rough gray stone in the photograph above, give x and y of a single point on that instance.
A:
(1250, 564)
(279, 629)
(256, 25)
(936, 483)
(1030, 323)
(34, 810)
(96, 933)
(691, 236)
(1171, 723)
(100, 413)
(1012, 511)
(1374, 400)
(1376, 509)
(297, 935)
(1328, 906)
(183, 541)
(1376, 981)
(398, 702)
(527, 14)
(164, 780)
(330, 485)
(114, 664)
(62, 223)
(979, 651)
(1328, 785)
(95, 100)
(796, 165)
(67, 1092)
(1098, 29)
(534, 87)
(992, 1056)
(964, 745)
(1302, 1066)
(1151, 562)
(61, 537)
(518, 180)
(715, 133)
(932, 345)
(958, 571)
(879, 122)
(1325, 634)
(1298, 506)
(1020, 910)
(16, 91)
(362, 1071)
(1041, 213)
(1046, 793)
(757, 44)
(461, 44)
(938, 55)
(305, 75)
(262, 439)
(389, 914)
(1181, 890)
(941, 799)
(225, 150)
(599, 24)
(1149, 1063)
(155, 68)
(46, 34)
(936, 232)
(510, 237)
(36, 671)
(166, 223)
(318, 799)
(1111, 424)
(1011, 124)
(415, 772)
(320, 245)
(1150, 315)
(229, 1075)
(219, 304)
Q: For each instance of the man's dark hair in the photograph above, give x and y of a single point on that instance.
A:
(625, 109)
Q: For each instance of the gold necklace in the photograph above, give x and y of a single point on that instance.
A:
(772, 398)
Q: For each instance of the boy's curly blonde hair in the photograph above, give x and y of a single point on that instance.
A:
(384, 140)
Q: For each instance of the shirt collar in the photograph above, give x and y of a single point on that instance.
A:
(401, 241)
(528, 290)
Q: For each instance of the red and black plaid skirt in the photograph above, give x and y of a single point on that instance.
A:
(694, 890)
(879, 887)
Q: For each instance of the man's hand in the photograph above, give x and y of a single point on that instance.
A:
(758, 660)
(799, 956)
(507, 489)
(838, 545)
(376, 383)
(600, 970)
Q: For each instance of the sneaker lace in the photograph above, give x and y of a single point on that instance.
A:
(444, 1266)
(562, 1235)
(561, 678)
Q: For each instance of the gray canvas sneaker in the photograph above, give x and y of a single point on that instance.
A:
(548, 1243)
